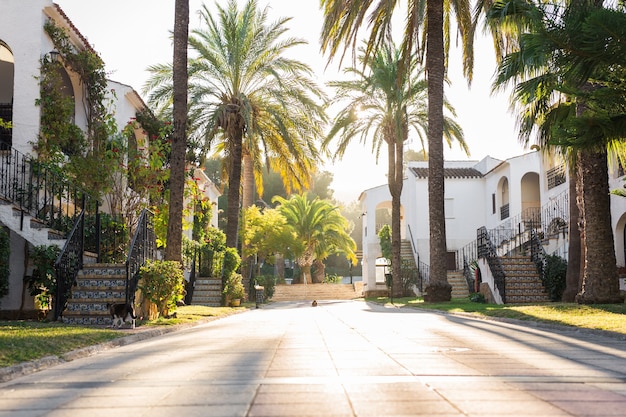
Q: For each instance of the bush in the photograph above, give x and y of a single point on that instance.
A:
(477, 297)
(554, 274)
(42, 283)
(233, 289)
(268, 282)
(163, 283)
(332, 279)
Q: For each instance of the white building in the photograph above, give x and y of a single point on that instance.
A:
(489, 193)
(23, 45)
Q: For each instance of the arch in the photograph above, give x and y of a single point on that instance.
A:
(7, 79)
(503, 196)
(383, 216)
(620, 240)
(531, 198)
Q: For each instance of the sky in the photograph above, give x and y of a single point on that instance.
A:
(131, 35)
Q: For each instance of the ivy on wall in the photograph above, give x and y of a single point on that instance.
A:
(82, 155)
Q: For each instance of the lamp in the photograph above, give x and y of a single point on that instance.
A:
(54, 56)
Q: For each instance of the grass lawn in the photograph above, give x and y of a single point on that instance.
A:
(610, 317)
(22, 341)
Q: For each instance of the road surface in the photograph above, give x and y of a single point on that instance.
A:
(337, 359)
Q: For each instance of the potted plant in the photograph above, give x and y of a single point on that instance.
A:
(234, 290)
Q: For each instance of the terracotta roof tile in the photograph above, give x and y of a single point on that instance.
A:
(449, 172)
(75, 29)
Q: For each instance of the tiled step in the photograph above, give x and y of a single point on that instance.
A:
(96, 285)
(523, 284)
(207, 292)
(459, 284)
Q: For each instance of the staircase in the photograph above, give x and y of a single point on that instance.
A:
(96, 285)
(207, 292)
(523, 284)
(29, 228)
(459, 284)
(300, 292)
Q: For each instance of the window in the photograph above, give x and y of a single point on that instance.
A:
(556, 176)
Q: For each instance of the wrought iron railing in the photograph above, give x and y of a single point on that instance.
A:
(467, 257)
(68, 263)
(487, 250)
(37, 190)
(142, 248)
(424, 274)
(537, 253)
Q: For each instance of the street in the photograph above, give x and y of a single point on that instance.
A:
(337, 359)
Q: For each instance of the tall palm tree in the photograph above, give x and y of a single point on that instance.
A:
(173, 250)
(571, 96)
(318, 229)
(245, 92)
(343, 20)
(385, 102)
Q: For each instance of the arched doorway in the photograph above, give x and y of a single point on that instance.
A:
(7, 73)
(503, 197)
(531, 199)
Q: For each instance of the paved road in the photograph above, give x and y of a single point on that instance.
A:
(337, 359)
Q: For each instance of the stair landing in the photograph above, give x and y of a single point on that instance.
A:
(309, 292)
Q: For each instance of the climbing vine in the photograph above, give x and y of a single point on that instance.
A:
(83, 155)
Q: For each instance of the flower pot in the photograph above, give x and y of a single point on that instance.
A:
(235, 303)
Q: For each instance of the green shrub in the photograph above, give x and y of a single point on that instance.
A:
(332, 279)
(268, 282)
(554, 276)
(477, 297)
(42, 283)
(233, 289)
(163, 283)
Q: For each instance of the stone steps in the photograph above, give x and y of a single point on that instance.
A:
(459, 284)
(523, 284)
(96, 285)
(207, 292)
(300, 292)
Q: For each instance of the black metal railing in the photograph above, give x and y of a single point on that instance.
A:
(68, 263)
(467, 258)
(142, 248)
(487, 250)
(537, 253)
(424, 274)
(41, 192)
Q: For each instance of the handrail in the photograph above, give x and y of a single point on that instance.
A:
(68, 263)
(37, 190)
(487, 250)
(142, 248)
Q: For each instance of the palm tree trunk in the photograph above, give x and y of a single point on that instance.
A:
(572, 277)
(234, 185)
(173, 250)
(395, 188)
(247, 199)
(438, 289)
(320, 272)
(600, 283)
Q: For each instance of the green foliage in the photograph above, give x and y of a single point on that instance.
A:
(210, 251)
(230, 262)
(477, 297)
(554, 274)
(233, 288)
(42, 283)
(268, 282)
(384, 234)
(163, 283)
(409, 276)
(5, 257)
(332, 279)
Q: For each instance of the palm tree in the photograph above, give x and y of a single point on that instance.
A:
(173, 250)
(247, 94)
(318, 229)
(572, 97)
(343, 20)
(385, 102)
